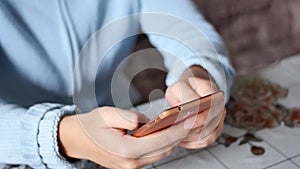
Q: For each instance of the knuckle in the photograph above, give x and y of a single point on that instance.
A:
(128, 151)
(130, 164)
(123, 151)
(168, 152)
(193, 145)
(132, 126)
(170, 139)
(211, 140)
(132, 119)
(103, 109)
(169, 91)
(213, 85)
(176, 86)
(171, 96)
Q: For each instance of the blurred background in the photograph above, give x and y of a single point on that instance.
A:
(257, 33)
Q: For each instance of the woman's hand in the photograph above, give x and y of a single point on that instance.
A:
(205, 127)
(100, 136)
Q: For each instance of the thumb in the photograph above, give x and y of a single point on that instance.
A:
(202, 87)
(122, 119)
(180, 92)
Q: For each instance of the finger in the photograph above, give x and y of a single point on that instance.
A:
(200, 144)
(196, 121)
(195, 144)
(122, 119)
(132, 147)
(152, 159)
(202, 118)
(211, 125)
(158, 141)
(195, 133)
(180, 92)
(201, 86)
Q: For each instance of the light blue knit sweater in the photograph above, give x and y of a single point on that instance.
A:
(40, 42)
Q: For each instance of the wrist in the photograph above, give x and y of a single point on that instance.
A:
(68, 137)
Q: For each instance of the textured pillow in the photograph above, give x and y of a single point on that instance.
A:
(256, 32)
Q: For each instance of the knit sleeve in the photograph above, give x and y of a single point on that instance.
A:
(29, 136)
(179, 31)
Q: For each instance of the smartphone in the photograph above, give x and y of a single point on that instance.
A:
(179, 113)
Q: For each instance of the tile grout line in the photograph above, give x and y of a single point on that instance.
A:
(276, 149)
(295, 164)
(294, 161)
(280, 162)
(179, 158)
(287, 158)
(221, 162)
(295, 156)
(274, 164)
(154, 166)
(266, 141)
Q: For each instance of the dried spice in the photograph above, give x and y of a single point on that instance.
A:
(256, 150)
(253, 106)
(227, 140)
(244, 141)
(243, 115)
(293, 118)
(252, 137)
(248, 137)
(256, 91)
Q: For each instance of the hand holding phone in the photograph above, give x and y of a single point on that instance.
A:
(179, 113)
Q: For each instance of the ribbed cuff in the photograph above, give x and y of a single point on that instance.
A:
(39, 138)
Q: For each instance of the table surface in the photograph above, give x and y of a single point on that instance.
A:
(282, 144)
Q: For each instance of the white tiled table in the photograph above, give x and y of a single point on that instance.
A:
(282, 144)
